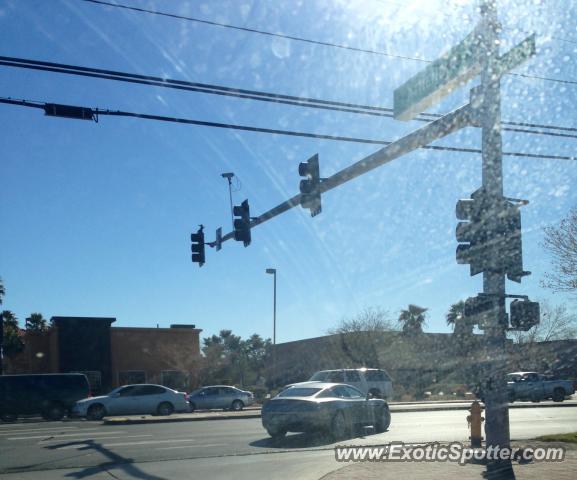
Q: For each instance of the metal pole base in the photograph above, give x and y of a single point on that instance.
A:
(499, 470)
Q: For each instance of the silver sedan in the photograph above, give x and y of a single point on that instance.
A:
(133, 400)
(220, 396)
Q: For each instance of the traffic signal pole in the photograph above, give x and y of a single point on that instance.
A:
(495, 388)
(437, 129)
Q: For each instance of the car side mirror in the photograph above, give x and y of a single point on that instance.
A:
(369, 396)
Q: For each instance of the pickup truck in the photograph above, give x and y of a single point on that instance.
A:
(536, 387)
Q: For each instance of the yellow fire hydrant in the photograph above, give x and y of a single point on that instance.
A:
(475, 421)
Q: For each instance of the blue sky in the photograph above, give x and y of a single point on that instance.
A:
(96, 218)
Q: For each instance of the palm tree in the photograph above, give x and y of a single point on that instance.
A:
(456, 319)
(2, 291)
(12, 343)
(455, 314)
(412, 319)
(36, 323)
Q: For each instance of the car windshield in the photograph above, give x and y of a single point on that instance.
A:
(299, 392)
(209, 201)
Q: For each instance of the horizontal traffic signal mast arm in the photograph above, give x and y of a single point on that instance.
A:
(449, 123)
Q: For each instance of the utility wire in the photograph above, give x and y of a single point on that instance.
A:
(253, 94)
(295, 38)
(118, 113)
(253, 30)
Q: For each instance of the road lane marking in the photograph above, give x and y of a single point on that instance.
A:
(108, 436)
(83, 443)
(7, 426)
(36, 430)
(65, 435)
(151, 442)
(192, 446)
(48, 431)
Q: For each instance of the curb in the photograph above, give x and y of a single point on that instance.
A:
(393, 407)
(192, 418)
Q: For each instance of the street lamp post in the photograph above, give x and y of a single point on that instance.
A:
(272, 271)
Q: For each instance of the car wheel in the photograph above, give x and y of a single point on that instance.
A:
(8, 417)
(237, 405)
(384, 420)
(339, 426)
(558, 395)
(165, 409)
(54, 412)
(511, 397)
(192, 406)
(276, 434)
(535, 398)
(96, 412)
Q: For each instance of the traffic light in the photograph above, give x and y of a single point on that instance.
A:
(197, 246)
(218, 241)
(524, 314)
(491, 235)
(242, 224)
(472, 232)
(508, 241)
(310, 186)
(479, 308)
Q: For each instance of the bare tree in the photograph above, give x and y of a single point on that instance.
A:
(371, 319)
(360, 336)
(561, 242)
(557, 323)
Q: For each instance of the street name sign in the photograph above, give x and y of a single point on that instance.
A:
(456, 67)
(440, 78)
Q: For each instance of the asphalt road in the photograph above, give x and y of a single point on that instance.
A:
(236, 448)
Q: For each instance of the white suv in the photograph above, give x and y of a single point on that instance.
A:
(368, 380)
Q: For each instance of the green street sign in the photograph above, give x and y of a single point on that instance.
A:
(456, 67)
(439, 79)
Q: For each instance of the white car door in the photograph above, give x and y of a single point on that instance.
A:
(121, 402)
(151, 396)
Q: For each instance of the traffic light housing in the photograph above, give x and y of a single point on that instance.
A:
(490, 235)
(310, 186)
(472, 232)
(479, 308)
(509, 243)
(524, 314)
(242, 223)
(197, 247)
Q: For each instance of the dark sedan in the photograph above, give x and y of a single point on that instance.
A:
(333, 407)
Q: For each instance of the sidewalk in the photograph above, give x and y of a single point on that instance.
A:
(373, 470)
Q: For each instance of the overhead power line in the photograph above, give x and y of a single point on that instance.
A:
(50, 108)
(537, 129)
(294, 38)
(254, 30)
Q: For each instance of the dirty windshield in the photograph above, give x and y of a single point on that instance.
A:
(206, 204)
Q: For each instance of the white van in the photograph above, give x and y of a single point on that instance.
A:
(368, 380)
